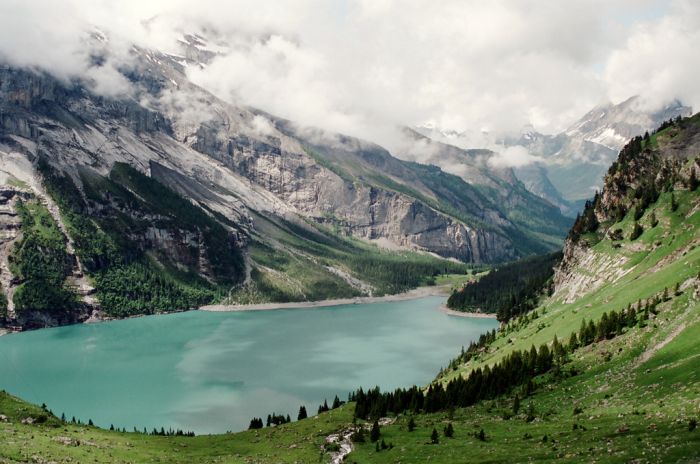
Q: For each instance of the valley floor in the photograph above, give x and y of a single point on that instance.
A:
(419, 292)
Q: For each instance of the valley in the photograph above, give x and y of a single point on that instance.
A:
(608, 358)
(349, 232)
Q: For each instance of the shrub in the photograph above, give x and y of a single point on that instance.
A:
(637, 230)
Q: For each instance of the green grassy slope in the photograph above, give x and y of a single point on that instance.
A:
(50, 439)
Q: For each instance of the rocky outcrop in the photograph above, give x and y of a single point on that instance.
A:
(10, 225)
(643, 170)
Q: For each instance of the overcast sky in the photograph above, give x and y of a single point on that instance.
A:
(364, 65)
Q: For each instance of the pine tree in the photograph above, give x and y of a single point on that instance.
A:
(302, 413)
(434, 437)
(637, 230)
(411, 424)
(516, 404)
(449, 430)
(374, 433)
(652, 219)
(336, 403)
(573, 342)
(323, 407)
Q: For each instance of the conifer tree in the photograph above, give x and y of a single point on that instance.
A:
(516, 404)
(302, 413)
(411, 424)
(374, 433)
(434, 437)
(449, 430)
(693, 181)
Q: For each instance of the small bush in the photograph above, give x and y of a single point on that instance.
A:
(637, 230)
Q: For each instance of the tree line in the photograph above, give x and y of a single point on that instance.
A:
(508, 290)
(279, 419)
(518, 369)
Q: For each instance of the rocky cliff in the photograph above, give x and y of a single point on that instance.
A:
(643, 188)
(170, 177)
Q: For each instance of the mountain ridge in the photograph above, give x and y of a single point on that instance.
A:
(257, 184)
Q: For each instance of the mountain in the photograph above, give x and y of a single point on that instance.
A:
(604, 368)
(574, 161)
(564, 169)
(167, 197)
(539, 217)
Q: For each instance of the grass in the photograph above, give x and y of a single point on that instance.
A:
(54, 440)
(628, 411)
(457, 281)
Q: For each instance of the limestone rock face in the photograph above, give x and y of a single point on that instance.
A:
(236, 159)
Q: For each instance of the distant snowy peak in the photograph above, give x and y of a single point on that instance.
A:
(461, 139)
(197, 50)
(612, 125)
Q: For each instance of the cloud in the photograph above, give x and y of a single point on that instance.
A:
(365, 67)
(262, 126)
(513, 157)
(659, 60)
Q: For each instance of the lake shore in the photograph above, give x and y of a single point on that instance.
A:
(452, 312)
(419, 292)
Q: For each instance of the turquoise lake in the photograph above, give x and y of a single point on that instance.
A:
(212, 372)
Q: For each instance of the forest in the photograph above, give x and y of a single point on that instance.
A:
(130, 274)
(515, 373)
(508, 290)
(40, 262)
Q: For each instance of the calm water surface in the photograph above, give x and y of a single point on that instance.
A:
(212, 372)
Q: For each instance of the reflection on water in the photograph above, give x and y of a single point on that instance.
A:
(212, 372)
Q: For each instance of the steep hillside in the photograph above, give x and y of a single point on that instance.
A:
(171, 194)
(606, 369)
(540, 218)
